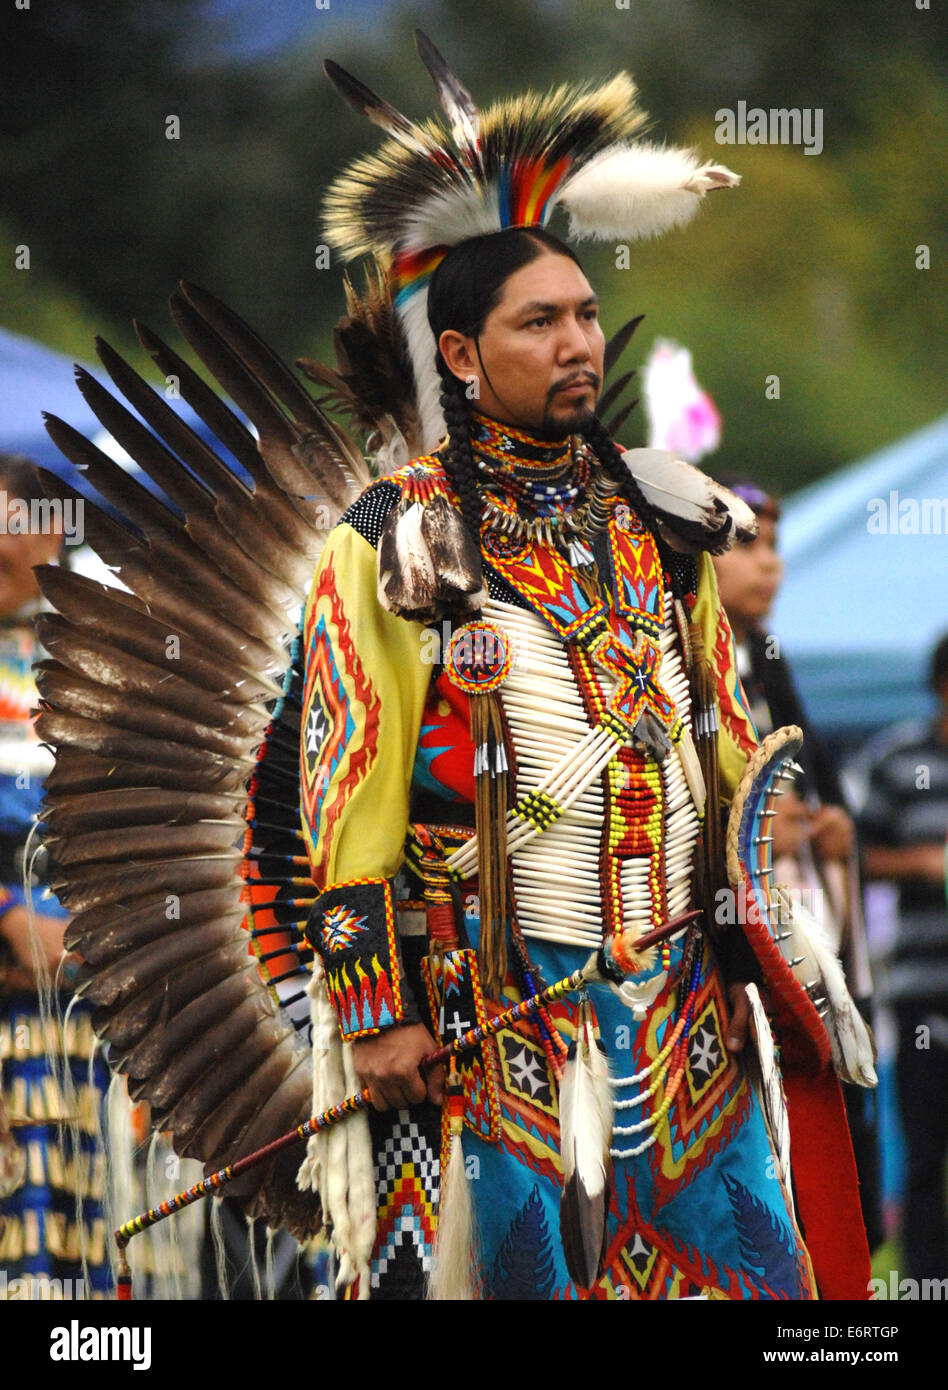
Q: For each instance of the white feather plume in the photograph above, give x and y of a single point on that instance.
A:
(640, 190)
(451, 216)
(771, 1086)
(586, 1111)
(679, 491)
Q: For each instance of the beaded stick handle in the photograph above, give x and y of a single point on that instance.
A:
(336, 1113)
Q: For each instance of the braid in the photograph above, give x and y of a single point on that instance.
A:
(458, 459)
(607, 452)
(610, 458)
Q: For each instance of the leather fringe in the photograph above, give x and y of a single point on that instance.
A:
(490, 807)
(712, 870)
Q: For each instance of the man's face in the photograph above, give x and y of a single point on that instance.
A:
(540, 360)
(749, 575)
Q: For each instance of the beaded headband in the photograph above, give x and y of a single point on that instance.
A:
(429, 188)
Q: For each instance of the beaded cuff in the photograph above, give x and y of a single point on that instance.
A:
(352, 926)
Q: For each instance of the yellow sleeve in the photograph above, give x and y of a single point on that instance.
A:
(364, 687)
(363, 698)
(737, 737)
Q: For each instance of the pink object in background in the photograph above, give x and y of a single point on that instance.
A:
(681, 417)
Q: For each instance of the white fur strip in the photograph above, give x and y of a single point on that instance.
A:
(362, 1199)
(338, 1162)
(422, 347)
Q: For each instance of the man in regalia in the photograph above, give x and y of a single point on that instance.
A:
(508, 733)
(554, 781)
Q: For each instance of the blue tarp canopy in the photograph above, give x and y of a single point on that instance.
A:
(33, 378)
(865, 597)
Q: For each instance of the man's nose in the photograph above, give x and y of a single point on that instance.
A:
(574, 343)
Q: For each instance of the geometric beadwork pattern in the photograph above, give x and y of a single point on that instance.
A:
(352, 926)
(526, 1073)
(456, 1004)
(636, 572)
(407, 1182)
(711, 1103)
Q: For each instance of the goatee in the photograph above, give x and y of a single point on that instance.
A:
(558, 426)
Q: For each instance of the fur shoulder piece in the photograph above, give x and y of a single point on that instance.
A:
(694, 511)
(428, 562)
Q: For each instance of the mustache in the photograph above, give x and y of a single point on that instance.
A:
(590, 378)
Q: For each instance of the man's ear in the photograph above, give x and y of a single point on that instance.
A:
(459, 353)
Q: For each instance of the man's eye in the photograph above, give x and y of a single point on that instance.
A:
(544, 319)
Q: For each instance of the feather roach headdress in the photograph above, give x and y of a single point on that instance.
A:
(428, 187)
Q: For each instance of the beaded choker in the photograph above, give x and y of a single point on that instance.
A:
(525, 453)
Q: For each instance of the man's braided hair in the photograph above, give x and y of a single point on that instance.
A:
(464, 289)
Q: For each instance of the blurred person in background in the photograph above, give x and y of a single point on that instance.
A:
(814, 843)
(45, 1228)
(902, 827)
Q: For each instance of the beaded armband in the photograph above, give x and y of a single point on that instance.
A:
(352, 926)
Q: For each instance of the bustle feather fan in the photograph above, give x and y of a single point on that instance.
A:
(182, 777)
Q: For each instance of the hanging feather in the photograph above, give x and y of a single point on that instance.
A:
(373, 381)
(455, 1258)
(770, 1090)
(585, 1136)
(455, 556)
(406, 582)
(428, 563)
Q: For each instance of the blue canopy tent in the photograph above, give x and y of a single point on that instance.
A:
(865, 596)
(33, 378)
